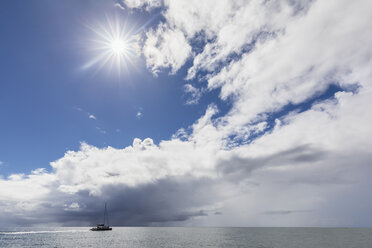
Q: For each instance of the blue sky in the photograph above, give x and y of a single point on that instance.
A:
(173, 111)
(46, 99)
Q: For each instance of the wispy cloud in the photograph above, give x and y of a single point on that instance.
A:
(194, 94)
(87, 113)
(139, 115)
(78, 109)
(285, 212)
(142, 4)
(101, 130)
(120, 5)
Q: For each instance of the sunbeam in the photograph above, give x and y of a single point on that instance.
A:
(113, 45)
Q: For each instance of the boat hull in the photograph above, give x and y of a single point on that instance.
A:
(101, 229)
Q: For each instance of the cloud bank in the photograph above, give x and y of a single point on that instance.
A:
(282, 156)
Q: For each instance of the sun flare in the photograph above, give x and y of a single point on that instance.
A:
(113, 45)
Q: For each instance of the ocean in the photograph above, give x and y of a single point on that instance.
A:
(135, 237)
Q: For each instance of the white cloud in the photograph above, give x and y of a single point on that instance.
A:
(165, 48)
(92, 117)
(144, 163)
(284, 52)
(194, 94)
(72, 207)
(327, 54)
(1, 162)
(139, 115)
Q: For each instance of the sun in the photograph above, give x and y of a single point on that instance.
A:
(112, 45)
(118, 46)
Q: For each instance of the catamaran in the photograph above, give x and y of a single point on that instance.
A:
(103, 227)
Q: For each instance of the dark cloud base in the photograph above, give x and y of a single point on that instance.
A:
(163, 202)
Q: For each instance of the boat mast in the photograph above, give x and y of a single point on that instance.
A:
(104, 215)
(107, 217)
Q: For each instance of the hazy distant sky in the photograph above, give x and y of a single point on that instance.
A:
(183, 112)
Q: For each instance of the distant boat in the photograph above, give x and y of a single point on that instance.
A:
(103, 227)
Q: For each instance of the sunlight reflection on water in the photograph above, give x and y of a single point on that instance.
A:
(134, 237)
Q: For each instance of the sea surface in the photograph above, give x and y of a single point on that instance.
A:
(135, 237)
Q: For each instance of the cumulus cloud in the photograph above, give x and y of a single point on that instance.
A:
(92, 117)
(142, 183)
(312, 164)
(165, 48)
